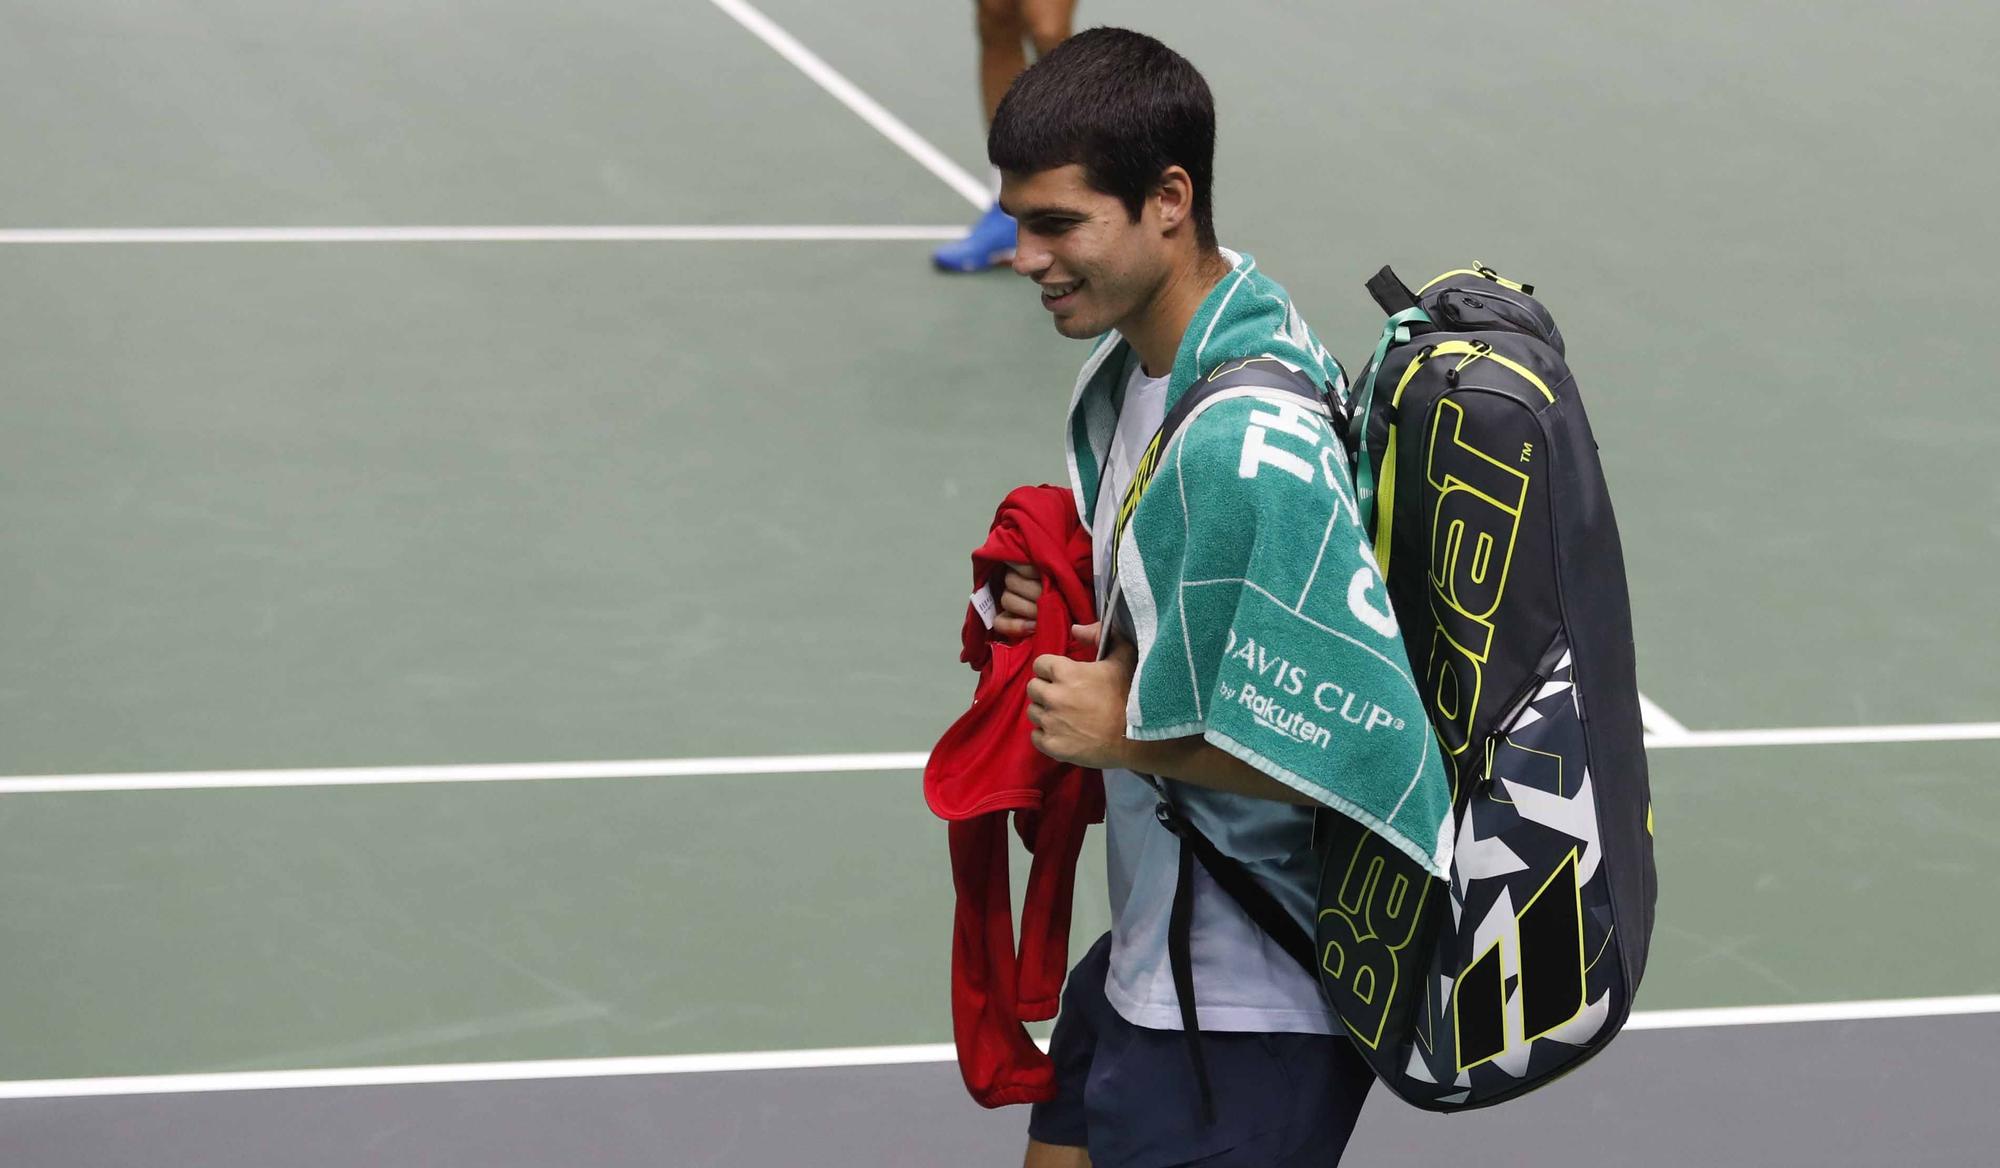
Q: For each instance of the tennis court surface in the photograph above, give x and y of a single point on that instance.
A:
(486, 492)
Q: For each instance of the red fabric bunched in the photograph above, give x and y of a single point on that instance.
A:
(986, 766)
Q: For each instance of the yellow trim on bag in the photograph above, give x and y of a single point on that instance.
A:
(1477, 269)
(1385, 504)
(1472, 353)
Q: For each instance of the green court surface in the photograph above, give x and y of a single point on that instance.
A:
(308, 505)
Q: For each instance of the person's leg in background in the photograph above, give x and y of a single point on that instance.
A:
(1048, 23)
(1003, 53)
(1006, 28)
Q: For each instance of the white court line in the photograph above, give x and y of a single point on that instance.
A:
(862, 1056)
(850, 95)
(518, 772)
(1656, 720)
(555, 234)
(596, 1068)
(1814, 1012)
(1827, 735)
(793, 764)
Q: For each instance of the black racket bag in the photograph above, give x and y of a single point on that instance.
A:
(1493, 527)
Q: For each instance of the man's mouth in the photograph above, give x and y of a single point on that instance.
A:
(1060, 295)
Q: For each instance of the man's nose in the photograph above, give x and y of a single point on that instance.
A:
(1030, 257)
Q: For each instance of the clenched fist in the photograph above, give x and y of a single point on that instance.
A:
(1078, 707)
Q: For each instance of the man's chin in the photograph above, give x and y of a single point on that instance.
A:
(1076, 328)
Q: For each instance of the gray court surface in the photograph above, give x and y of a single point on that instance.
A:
(1907, 1092)
(396, 504)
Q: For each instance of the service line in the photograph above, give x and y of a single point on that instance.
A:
(850, 95)
(642, 233)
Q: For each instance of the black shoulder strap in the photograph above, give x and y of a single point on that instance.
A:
(1259, 905)
(1255, 373)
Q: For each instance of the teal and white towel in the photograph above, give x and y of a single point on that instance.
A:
(1261, 618)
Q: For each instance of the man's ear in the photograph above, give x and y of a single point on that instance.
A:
(1173, 196)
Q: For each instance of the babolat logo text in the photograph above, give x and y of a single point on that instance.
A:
(1480, 499)
(1291, 680)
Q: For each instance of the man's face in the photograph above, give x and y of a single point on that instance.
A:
(1096, 267)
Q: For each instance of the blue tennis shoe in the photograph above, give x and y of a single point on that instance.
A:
(990, 242)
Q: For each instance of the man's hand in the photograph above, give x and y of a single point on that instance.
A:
(1019, 592)
(1078, 707)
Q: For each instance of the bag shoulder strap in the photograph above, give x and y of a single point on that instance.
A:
(1257, 903)
(1254, 373)
(1261, 907)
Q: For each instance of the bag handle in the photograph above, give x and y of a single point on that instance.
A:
(1390, 292)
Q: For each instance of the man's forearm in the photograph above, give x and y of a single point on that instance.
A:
(1195, 760)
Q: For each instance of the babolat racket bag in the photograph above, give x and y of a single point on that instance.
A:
(1493, 528)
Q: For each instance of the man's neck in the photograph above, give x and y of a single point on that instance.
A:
(1156, 335)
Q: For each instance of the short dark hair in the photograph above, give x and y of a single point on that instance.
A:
(1121, 105)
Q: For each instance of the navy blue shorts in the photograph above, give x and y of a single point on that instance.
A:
(1128, 1093)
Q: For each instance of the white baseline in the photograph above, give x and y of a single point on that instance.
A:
(792, 764)
(864, 1056)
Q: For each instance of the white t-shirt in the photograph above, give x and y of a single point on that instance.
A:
(1139, 418)
(1243, 981)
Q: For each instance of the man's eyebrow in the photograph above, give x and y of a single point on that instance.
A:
(1052, 211)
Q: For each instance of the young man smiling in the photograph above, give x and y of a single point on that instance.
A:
(1242, 602)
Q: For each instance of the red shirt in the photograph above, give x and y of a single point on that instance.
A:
(985, 766)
